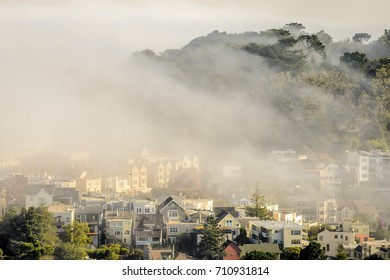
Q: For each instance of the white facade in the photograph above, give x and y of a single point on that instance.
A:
(42, 198)
(331, 240)
(287, 234)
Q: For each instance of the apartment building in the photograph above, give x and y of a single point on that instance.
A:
(287, 234)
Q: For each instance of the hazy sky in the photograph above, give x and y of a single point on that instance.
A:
(60, 60)
(139, 24)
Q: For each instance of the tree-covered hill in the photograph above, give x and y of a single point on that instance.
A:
(294, 89)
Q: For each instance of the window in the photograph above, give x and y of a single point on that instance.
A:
(321, 238)
(336, 236)
(173, 229)
(346, 238)
(118, 233)
(229, 223)
(142, 239)
(296, 232)
(147, 210)
(173, 214)
(153, 210)
(138, 210)
(327, 247)
(124, 240)
(295, 241)
(127, 232)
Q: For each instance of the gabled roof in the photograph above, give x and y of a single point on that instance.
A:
(34, 189)
(233, 245)
(168, 201)
(222, 216)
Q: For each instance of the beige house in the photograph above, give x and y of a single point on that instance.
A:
(118, 227)
(229, 225)
(331, 240)
(175, 228)
(287, 234)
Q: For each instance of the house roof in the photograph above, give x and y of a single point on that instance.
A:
(221, 216)
(151, 233)
(34, 189)
(231, 244)
(89, 210)
(262, 247)
(168, 201)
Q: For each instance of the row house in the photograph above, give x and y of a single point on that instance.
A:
(86, 185)
(138, 178)
(174, 229)
(145, 207)
(93, 216)
(118, 227)
(287, 234)
(147, 230)
(64, 215)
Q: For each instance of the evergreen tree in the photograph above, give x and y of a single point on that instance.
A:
(210, 246)
(257, 207)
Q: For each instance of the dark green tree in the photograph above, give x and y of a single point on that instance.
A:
(312, 251)
(355, 60)
(210, 246)
(31, 234)
(291, 253)
(259, 255)
(243, 238)
(67, 251)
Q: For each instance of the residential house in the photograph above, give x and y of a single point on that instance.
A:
(145, 207)
(331, 240)
(197, 204)
(229, 225)
(172, 210)
(231, 251)
(286, 234)
(93, 216)
(39, 195)
(148, 229)
(287, 214)
(373, 247)
(67, 196)
(64, 215)
(94, 185)
(327, 211)
(357, 169)
(174, 229)
(330, 177)
(308, 209)
(344, 213)
(118, 227)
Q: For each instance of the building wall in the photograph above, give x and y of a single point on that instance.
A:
(330, 241)
(41, 198)
(119, 229)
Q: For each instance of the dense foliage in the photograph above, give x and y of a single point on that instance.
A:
(314, 94)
